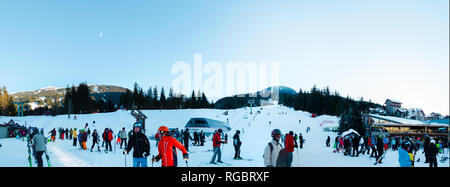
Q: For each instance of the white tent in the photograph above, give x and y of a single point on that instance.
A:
(349, 132)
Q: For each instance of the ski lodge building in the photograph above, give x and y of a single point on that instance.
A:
(395, 126)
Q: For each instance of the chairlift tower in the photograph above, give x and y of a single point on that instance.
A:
(251, 103)
(20, 108)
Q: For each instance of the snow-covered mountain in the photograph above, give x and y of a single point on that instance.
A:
(47, 95)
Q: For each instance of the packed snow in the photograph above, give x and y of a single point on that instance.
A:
(255, 134)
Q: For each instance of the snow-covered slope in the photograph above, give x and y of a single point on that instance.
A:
(255, 134)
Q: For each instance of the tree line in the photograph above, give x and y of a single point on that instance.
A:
(157, 99)
(7, 107)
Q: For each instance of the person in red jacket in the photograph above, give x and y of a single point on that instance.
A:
(289, 145)
(107, 138)
(167, 149)
(217, 141)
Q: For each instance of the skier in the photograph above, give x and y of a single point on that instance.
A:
(273, 149)
(202, 138)
(140, 145)
(300, 138)
(187, 137)
(328, 141)
(431, 153)
(39, 142)
(74, 136)
(123, 137)
(356, 142)
(167, 149)
(196, 139)
(216, 147)
(107, 138)
(237, 145)
(372, 143)
(70, 134)
(89, 133)
(380, 148)
(53, 134)
(425, 146)
(95, 140)
(289, 146)
(403, 157)
(67, 133)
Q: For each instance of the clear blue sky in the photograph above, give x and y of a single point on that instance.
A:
(380, 49)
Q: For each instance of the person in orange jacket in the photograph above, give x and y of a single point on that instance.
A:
(167, 149)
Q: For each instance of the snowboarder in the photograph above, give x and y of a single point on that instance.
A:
(237, 145)
(273, 149)
(431, 153)
(140, 145)
(123, 137)
(39, 144)
(167, 149)
(217, 141)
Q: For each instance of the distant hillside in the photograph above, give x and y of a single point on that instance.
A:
(260, 98)
(48, 95)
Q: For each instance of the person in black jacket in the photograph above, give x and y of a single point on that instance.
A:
(202, 138)
(355, 147)
(196, 139)
(187, 137)
(431, 153)
(140, 145)
(380, 149)
(237, 145)
(95, 140)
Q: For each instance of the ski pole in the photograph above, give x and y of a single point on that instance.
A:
(187, 165)
(125, 160)
(153, 158)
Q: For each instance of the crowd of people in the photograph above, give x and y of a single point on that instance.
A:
(376, 146)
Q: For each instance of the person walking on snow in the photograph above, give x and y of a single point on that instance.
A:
(83, 139)
(95, 140)
(39, 143)
(273, 149)
(431, 152)
(140, 145)
(403, 157)
(123, 137)
(167, 149)
(74, 136)
(217, 141)
(289, 146)
(237, 145)
(186, 137)
(52, 134)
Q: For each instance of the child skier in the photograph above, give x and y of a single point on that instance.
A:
(167, 149)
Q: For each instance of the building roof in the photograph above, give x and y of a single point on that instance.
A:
(394, 101)
(350, 132)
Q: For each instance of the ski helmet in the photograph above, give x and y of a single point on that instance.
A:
(137, 125)
(163, 129)
(276, 132)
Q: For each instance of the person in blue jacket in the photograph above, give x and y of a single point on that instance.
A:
(403, 157)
